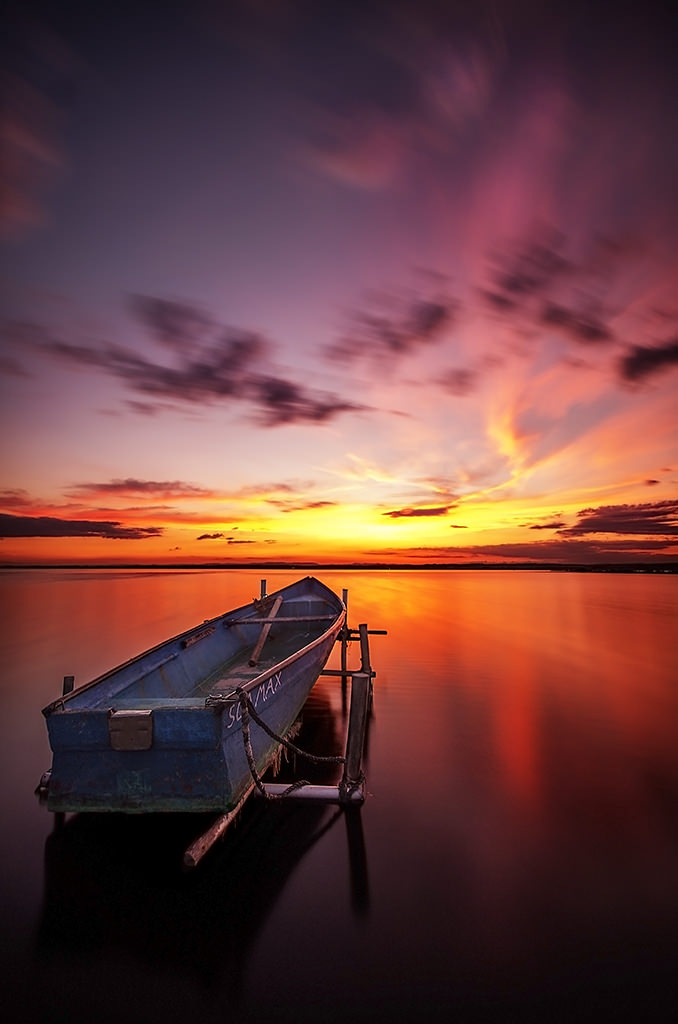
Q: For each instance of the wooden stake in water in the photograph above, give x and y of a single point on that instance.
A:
(357, 725)
(263, 636)
(204, 843)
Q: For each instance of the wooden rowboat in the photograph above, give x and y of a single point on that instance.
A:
(163, 732)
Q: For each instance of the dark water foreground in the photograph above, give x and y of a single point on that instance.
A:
(516, 858)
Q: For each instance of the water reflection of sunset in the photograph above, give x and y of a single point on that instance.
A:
(556, 692)
(518, 828)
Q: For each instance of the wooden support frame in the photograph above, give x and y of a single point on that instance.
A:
(351, 790)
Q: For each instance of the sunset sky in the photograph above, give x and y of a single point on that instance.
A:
(384, 282)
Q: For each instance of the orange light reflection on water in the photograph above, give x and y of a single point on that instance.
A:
(524, 726)
(501, 673)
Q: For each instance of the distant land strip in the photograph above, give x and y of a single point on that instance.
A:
(617, 567)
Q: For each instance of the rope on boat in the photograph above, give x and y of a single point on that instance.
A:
(249, 711)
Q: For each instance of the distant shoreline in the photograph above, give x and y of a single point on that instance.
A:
(670, 567)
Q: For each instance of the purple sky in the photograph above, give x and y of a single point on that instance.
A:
(384, 281)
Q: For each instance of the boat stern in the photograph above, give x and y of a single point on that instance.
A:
(137, 760)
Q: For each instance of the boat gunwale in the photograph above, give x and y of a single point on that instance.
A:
(58, 706)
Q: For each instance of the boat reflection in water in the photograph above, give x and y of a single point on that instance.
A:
(115, 891)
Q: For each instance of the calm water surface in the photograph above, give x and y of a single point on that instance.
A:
(516, 858)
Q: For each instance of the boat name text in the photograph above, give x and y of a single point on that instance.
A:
(262, 693)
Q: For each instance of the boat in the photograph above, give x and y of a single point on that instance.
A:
(164, 731)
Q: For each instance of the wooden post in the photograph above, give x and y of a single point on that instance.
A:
(263, 589)
(364, 649)
(344, 651)
(69, 683)
(200, 846)
(265, 631)
(357, 722)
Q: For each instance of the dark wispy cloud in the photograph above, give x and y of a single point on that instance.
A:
(16, 497)
(534, 284)
(529, 268)
(584, 326)
(210, 536)
(532, 287)
(217, 362)
(644, 519)
(572, 552)
(404, 513)
(300, 506)
(224, 365)
(394, 325)
(179, 325)
(49, 526)
(282, 401)
(557, 551)
(633, 533)
(642, 361)
(134, 486)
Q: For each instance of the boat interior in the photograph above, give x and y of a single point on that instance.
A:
(232, 650)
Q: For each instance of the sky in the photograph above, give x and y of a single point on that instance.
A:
(387, 282)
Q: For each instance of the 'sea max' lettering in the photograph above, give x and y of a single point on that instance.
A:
(259, 696)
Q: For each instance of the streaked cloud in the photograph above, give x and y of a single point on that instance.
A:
(232, 367)
(179, 325)
(48, 526)
(130, 486)
(15, 498)
(558, 552)
(302, 506)
(414, 513)
(647, 518)
(643, 361)
(393, 325)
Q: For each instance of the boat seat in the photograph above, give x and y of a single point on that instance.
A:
(259, 621)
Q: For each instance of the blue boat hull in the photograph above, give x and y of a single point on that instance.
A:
(164, 733)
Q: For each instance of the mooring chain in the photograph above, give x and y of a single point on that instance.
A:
(249, 711)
